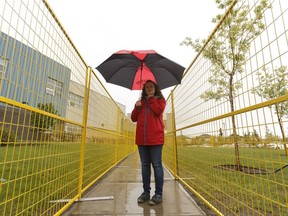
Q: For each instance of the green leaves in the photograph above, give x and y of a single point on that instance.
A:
(273, 85)
(228, 48)
(227, 51)
(41, 121)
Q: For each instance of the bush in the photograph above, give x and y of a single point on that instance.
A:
(43, 122)
(7, 136)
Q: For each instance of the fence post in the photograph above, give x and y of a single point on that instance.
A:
(117, 134)
(84, 127)
(175, 154)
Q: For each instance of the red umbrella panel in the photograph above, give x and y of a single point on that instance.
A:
(131, 69)
(141, 76)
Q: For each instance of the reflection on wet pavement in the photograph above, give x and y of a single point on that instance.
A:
(123, 185)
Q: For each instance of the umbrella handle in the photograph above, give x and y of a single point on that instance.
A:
(141, 68)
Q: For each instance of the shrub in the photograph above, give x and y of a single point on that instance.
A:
(7, 136)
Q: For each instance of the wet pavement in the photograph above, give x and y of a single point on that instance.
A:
(117, 193)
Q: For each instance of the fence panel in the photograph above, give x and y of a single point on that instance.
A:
(60, 130)
(231, 113)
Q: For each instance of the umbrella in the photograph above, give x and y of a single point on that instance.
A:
(131, 69)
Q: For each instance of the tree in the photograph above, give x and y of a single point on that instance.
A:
(273, 85)
(252, 138)
(268, 136)
(41, 121)
(227, 53)
(256, 136)
(7, 136)
(220, 132)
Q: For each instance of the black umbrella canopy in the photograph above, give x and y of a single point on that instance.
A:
(131, 69)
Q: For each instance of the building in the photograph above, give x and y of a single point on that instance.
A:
(29, 77)
(101, 109)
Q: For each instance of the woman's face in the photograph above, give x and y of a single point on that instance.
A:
(150, 89)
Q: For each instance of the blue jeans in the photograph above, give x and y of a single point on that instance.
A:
(148, 155)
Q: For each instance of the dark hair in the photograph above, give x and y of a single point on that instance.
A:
(158, 92)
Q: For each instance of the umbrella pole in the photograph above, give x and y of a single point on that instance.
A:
(141, 68)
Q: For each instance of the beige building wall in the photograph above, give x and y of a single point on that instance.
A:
(102, 111)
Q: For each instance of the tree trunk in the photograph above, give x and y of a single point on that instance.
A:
(281, 128)
(235, 137)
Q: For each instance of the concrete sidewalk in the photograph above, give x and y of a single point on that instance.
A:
(117, 194)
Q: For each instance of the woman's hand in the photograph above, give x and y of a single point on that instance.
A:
(138, 103)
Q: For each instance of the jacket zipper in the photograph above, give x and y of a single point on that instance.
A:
(145, 119)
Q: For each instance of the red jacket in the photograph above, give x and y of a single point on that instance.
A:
(149, 118)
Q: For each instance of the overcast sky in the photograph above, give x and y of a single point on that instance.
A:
(99, 28)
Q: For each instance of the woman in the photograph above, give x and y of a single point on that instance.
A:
(148, 113)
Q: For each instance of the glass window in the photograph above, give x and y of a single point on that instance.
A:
(75, 100)
(54, 87)
(2, 67)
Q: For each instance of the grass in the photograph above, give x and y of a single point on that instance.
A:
(233, 192)
(39, 174)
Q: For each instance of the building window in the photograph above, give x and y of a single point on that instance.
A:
(54, 87)
(75, 100)
(3, 63)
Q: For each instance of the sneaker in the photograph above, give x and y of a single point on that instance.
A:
(155, 199)
(144, 197)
